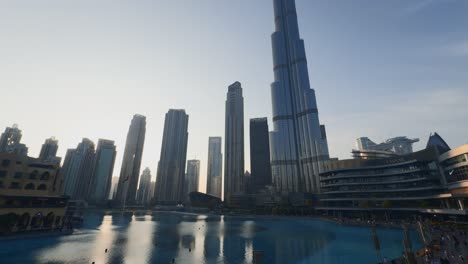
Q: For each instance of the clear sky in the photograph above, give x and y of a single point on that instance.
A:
(74, 69)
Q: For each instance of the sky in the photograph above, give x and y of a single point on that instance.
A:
(75, 69)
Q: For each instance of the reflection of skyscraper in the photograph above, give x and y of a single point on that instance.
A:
(234, 141)
(10, 141)
(259, 154)
(298, 141)
(192, 177)
(49, 150)
(103, 168)
(127, 187)
(214, 169)
(78, 169)
(144, 187)
(171, 166)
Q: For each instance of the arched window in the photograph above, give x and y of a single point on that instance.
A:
(42, 187)
(49, 220)
(29, 186)
(57, 221)
(36, 220)
(45, 176)
(24, 221)
(33, 175)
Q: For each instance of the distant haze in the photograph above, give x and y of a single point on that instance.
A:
(74, 69)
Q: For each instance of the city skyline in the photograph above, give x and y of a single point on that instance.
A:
(444, 101)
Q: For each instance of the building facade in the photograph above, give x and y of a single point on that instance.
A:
(234, 141)
(103, 169)
(260, 166)
(298, 142)
(31, 195)
(78, 170)
(215, 167)
(144, 187)
(455, 170)
(431, 181)
(170, 176)
(192, 177)
(131, 162)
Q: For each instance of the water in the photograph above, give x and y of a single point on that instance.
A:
(187, 238)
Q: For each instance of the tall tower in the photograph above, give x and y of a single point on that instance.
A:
(10, 141)
(144, 187)
(78, 170)
(259, 153)
(170, 176)
(103, 168)
(49, 150)
(298, 142)
(215, 166)
(131, 162)
(192, 177)
(234, 142)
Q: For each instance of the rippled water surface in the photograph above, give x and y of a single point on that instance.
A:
(185, 238)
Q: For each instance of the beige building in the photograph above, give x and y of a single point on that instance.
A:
(31, 194)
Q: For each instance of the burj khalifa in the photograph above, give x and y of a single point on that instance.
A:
(298, 142)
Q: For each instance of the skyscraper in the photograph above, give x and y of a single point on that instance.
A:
(10, 141)
(131, 162)
(234, 141)
(49, 150)
(215, 166)
(103, 168)
(259, 153)
(144, 187)
(78, 170)
(171, 166)
(113, 191)
(298, 143)
(192, 177)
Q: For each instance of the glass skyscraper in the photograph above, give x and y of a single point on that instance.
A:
(144, 194)
(78, 169)
(170, 177)
(131, 162)
(259, 154)
(103, 168)
(192, 177)
(234, 142)
(215, 166)
(298, 142)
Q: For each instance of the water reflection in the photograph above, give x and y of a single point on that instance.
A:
(164, 237)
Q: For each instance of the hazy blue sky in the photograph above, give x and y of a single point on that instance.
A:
(74, 69)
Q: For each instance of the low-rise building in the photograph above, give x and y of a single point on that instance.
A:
(432, 180)
(30, 194)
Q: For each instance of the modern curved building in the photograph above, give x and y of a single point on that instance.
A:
(455, 169)
(430, 181)
(298, 142)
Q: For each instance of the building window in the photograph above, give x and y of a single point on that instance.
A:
(3, 173)
(29, 186)
(33, 175)
(42, 187)
(45, 176)
(18, 175)
(14, 185)
(5, 163)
